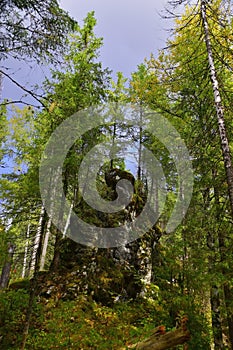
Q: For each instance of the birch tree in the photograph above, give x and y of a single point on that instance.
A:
(218, 104)
(195, 72)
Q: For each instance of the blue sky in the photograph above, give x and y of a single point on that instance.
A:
(131, 29)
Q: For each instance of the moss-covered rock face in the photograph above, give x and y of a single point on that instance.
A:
(113, 274)
(107, 275)
(102, 278)
(113, 176)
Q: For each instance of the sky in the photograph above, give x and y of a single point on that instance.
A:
(131, 31)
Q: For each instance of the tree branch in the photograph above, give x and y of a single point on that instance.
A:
(35, 96)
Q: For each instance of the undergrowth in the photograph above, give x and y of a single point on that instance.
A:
(84, 324)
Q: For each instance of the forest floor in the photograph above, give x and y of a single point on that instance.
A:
(75, 324)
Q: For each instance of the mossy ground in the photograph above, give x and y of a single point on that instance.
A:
(79, 309)
(75, 324)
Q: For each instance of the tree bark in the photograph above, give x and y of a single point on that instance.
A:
(45, 244)
(37, 239)
(34, 282)
(57, 248)
(219, 107)
(60, 237)
(164, 341)
(228, 303)
(216, 318)
(139, 170)
(26, 253)
(215, 300)
(5, 276)
(225, 148)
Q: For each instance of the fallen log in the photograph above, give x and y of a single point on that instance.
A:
(163, 341)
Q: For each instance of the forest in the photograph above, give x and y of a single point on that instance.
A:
(116, 220)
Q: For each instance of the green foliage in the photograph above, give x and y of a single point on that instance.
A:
(81, 83)
(20, 284)
(78, 324)
(48, 30)
(85, 324)
(79, 306)
(13, 305)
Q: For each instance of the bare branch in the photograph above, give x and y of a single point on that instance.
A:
(31, 93)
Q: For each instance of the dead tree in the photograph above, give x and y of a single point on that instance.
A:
(163, 341)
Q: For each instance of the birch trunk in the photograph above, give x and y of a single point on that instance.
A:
(225, 149)
(219, 107)
(26, 252)
(68, 219)
(215, 299)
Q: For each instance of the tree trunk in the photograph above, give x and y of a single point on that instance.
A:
(219, 107)
(57, 248)
(61, 236)
(26, 252)
(5, 276)
(225, 148)
(165, 341)
(228, 294)
(34, 281)
(113, 144)
(37, 239)
(214, 252)
(139, 170)
(69, 216)
(228, 303)
(45, 244)
(52, 192)
(216, 318)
